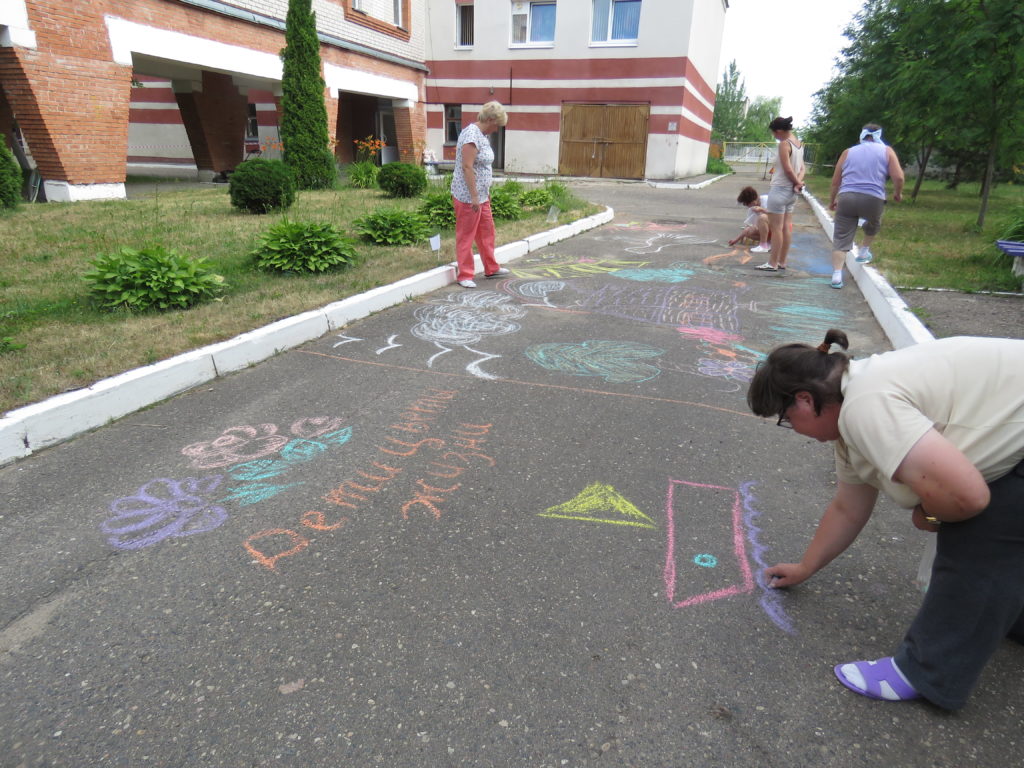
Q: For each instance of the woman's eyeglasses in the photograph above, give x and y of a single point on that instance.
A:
(783, 418)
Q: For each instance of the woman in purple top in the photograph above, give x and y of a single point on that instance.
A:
(858, 193)
(471, 194)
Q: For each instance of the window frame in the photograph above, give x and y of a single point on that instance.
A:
(450, 118)
(353, 13)
(528, 43)
(460, 28)
(608, 41)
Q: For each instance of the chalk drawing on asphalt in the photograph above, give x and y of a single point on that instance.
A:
(163, 509)
(617, 362)
(600, 503)
(390, 344)
(659, 242)
(679, 272)
(168, 508)
(699, 513)
(560, 267)
(772, 600)
(715, 512)
(461, 319)
(347, 340)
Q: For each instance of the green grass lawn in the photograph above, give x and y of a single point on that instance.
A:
(933, 242)
(54, 339)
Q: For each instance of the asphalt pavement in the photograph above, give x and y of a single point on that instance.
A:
(521, 525)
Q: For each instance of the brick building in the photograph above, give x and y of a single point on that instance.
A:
(618, 88)
(68, 71)
(600, 88)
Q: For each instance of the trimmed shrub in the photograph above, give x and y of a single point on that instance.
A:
(392, 227)
(437, 209)
(151, 278)
(303, 112)
(298, 247)
(402, 180)
(11, 178)
(260, 185)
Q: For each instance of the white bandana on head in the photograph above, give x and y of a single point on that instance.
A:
(875, 136)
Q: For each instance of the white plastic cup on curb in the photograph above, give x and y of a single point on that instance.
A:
(435, 243)
(552, 214)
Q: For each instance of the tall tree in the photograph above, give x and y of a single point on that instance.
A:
(755, 122)
(730, 106)
(941, 75)
(303, 112)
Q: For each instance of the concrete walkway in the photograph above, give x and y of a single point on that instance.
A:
(516, 526)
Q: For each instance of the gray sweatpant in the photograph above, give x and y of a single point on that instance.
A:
(974, 601)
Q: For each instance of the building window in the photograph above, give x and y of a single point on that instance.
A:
(464, 25)
(616, 21)
(533, 22)
(252, 123)
(452, 123)
(391, 20)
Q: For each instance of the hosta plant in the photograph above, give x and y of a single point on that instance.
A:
(297, 247)
(391, 226)
(151, 278)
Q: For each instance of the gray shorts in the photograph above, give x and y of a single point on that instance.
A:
(780, 200)
(850, 208)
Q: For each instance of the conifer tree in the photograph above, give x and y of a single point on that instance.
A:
(303, 112)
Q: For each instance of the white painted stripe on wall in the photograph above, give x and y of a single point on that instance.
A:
(127, 37)
(14, 20)
(603, 82)
(357, 81)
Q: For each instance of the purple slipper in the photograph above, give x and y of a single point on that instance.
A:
(879, 679)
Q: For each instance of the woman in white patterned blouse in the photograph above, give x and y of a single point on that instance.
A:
(471, 197)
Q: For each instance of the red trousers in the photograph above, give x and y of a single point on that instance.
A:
(473, 226)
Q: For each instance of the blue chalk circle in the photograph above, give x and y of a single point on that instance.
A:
(706, 561)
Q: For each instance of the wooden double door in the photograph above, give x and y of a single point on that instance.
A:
(604, 140)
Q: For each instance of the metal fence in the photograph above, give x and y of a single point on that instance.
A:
(761, 154)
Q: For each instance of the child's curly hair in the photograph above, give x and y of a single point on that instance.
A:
(747, 196)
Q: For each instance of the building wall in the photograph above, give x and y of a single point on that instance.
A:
(672, 67)
(67, 69)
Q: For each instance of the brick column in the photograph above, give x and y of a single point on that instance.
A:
(214, 115)
(331, 103)
(411, 127)
(73, 112)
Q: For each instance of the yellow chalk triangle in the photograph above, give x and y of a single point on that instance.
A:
(600, 499)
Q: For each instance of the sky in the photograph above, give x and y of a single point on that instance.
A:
(786, 48)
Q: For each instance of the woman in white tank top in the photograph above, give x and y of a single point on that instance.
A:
(787, 181)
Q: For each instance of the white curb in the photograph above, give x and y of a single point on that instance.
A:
(901, 325)
(59, 418)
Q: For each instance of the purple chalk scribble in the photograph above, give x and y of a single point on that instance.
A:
(163, 509)
(771, 599)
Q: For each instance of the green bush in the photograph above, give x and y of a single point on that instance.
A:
(437, 209)
(512, 188)
(537, 198)
(260, 185)
(504, 204)
(392, 227)
(296, 246)
(402, 180)
(717, 165)
(11, 178)
(151, 278)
